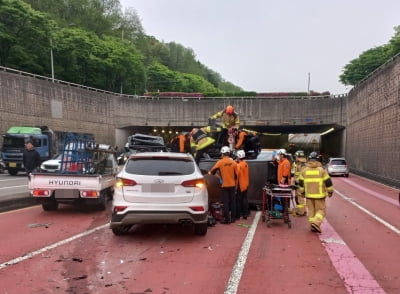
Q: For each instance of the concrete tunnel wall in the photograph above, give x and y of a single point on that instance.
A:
(370, 114)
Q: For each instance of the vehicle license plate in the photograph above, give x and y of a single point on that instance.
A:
(159, 188)
(12, 164)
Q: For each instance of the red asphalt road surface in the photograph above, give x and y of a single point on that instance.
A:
(68, 251)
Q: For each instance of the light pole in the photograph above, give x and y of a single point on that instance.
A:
(51, 59)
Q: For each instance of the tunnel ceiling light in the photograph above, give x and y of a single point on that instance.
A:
(271, 134)
(327, 131)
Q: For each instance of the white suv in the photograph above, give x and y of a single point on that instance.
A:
(161, 188)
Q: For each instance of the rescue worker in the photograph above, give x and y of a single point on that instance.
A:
(180, 143)
(299, 163)
(242, 171)
(273, 169)
(243, 134)
(230, 125)
(315, 184)
(229, 117)
(200, 139)
(227, 168)
(284, 168)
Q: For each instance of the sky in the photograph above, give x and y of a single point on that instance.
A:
(271, 46)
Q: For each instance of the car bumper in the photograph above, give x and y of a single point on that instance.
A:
(157, 217)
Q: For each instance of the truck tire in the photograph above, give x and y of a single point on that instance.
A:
(121, 230)
(12, 171)
(200, 229)
(102, 201)
(50, 205)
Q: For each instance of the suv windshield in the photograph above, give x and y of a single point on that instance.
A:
(159, 166)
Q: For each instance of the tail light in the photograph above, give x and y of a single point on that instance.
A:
(89, 193)
(119, 208)
(197, 183)
(121, 182)
(197, 208)
(41, 193)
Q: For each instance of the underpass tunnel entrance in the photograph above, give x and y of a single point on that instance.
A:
(327, 139)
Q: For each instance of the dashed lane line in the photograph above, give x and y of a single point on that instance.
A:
(12, 187)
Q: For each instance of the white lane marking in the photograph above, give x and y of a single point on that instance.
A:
(237, 271)
(373, 193)
(356, 278)
(374, 216)
(31, 254)
(12, 187)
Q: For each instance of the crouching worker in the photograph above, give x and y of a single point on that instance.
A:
(199, 141)
(180, 143)
(315, 184)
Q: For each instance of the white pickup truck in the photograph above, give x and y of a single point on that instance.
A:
(93, 187)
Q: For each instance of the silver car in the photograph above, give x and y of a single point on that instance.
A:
(160, 188)
(337, 167)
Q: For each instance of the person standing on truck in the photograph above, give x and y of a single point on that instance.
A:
(227, 168)
(315, 184)
(30, 158)
(229, 117)
(242, 171)
(230, 121)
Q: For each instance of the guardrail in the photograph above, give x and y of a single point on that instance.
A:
(49, 79)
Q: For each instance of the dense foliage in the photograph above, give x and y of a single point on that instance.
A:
(359, 68)
(95, 43)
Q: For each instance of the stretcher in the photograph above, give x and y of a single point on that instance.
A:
(276, 202)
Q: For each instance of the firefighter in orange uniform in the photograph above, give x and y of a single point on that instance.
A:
(226, 167)
(284, 168)
(180, 143)
(242, 204)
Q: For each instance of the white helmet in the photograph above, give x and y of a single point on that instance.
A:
(282, 151)
(241, 154)
(225, 149)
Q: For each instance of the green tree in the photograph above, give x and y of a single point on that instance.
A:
(394, 43)
(24, 37)
(366, 63)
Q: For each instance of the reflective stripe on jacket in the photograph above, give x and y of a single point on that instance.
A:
(314, 181)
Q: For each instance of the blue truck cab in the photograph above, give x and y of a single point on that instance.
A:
(14, 145)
